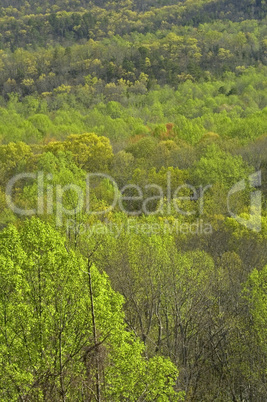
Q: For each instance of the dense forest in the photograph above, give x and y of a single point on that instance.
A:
(133, 185)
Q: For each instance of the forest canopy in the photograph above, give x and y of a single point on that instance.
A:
(133, 214)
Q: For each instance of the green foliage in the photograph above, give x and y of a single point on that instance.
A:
(143, 148)
(158, 94)
(46, 326)
(217, 166)
(90, 152)
(256, 294)
(14, 158)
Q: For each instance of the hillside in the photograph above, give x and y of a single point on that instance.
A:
(133, 212)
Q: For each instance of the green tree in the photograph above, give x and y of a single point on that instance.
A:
(63, 330)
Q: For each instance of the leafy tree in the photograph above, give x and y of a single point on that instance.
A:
(14, 158)
(62, 327)
(90, 152)
(219, 166)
